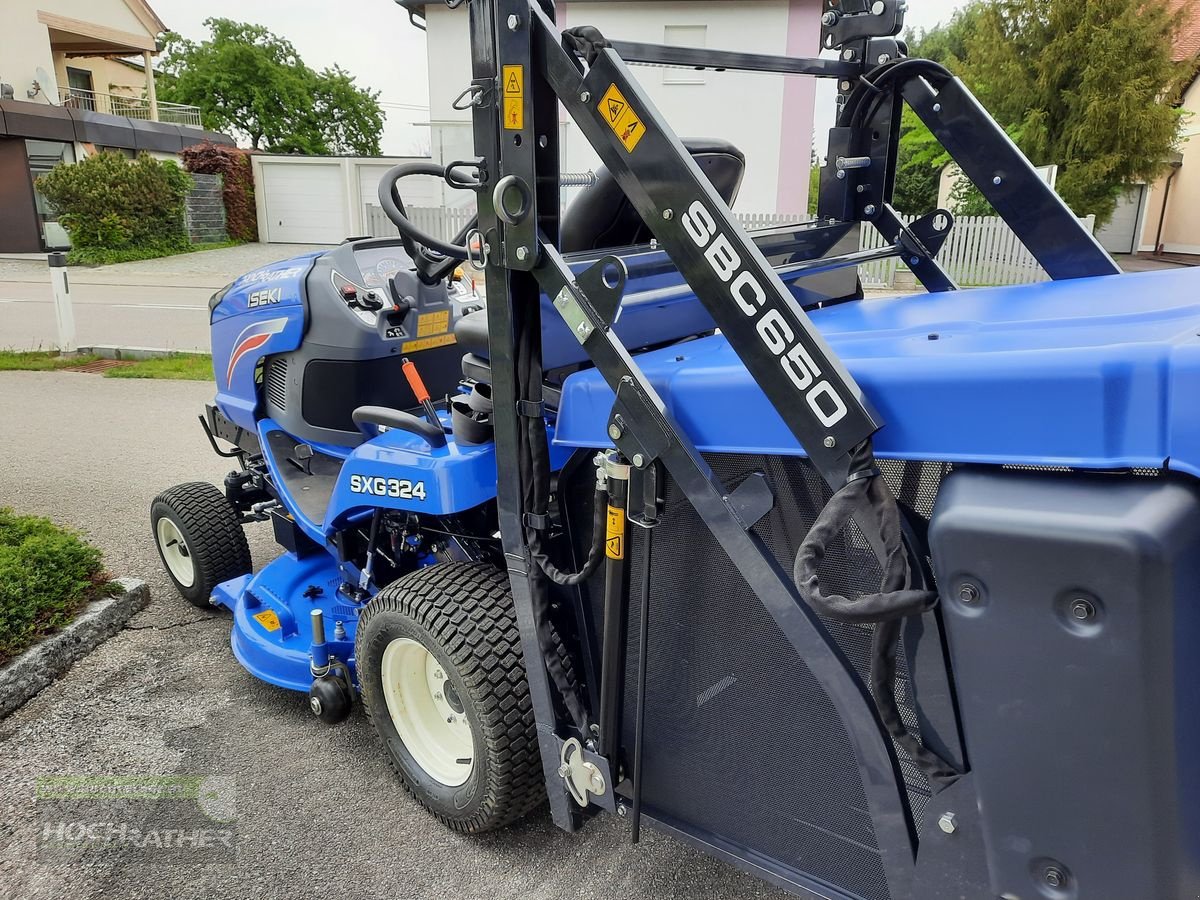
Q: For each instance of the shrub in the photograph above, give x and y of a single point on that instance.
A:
(241, 219)
(106, 201)
(47, 574)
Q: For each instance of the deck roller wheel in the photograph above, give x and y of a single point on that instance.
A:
(199, 539)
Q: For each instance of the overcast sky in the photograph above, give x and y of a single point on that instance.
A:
(373, 41)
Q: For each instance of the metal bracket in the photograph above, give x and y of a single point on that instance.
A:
(603, 283)
(574, 315)
(585, 775)
(923, 239)
(751, 500)
(844, 21)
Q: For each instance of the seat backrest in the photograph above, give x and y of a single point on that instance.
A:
(602, 216)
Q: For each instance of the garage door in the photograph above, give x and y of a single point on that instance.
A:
(304, 203)
(1120, 234)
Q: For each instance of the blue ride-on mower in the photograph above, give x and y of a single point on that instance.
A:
(875, 599)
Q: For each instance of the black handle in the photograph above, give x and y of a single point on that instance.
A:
(367, 417)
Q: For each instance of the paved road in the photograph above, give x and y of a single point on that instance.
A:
(160, 303)
(319, 814)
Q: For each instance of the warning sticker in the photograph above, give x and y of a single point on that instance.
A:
(268, 620)
(614, 540)
(433, 323)
(428, 343)
(513, 78)
(625, 123)
(514, 81)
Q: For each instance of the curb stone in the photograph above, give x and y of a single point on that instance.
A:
(39, 666)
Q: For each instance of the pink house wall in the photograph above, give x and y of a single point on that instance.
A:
(799, 106)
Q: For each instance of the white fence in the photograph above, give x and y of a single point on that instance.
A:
(981, 250)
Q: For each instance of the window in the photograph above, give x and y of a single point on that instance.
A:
(44, 156)
(684, 36)
(83, 95)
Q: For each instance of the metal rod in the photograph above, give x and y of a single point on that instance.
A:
(703, 58)
(616, 610)
(639, 723)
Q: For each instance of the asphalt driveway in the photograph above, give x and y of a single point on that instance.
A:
(318, 812)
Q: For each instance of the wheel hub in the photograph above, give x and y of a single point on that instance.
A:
(427, 712)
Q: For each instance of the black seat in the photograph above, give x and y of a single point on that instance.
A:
(602, 217)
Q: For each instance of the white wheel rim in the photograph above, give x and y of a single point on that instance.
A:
(434, 731)
(175, 552)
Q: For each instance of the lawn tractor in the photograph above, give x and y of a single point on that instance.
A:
(875, 599)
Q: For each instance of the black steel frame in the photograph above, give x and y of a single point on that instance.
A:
(518, 217)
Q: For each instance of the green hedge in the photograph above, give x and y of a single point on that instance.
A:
(47, 574)
(108, 202)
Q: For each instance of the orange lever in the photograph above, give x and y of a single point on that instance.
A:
(414, 380)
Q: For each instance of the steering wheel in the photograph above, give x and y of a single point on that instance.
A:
(433, 257)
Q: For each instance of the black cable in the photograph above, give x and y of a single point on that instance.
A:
(595, 551)
(896, 599)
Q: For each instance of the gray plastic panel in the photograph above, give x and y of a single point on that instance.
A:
(1080, 724)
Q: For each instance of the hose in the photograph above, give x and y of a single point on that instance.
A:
(595, 551)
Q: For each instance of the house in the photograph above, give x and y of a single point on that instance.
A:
(769, 117)
(1164, 217)
(64, 95)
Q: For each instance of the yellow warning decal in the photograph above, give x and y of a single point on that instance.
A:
(268, 620)
(513, 79)
(430, 343)
(626, 124)
(614, 541)
(433, 323)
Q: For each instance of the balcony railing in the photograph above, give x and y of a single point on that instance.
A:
(131, 107)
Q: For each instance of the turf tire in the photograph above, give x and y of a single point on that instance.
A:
(211, 532)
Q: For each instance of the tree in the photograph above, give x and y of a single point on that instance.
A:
(1089, 85)
(254, 85)
(1086, 85)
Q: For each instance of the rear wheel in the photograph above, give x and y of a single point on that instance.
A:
(199, 539)
(442, 678)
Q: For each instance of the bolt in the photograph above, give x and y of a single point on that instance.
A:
(1083, 609)
(884, 58)
(564, 770)
(639, 460)
(585, 96)
(968, 593)
(439, 674)
(869, 209)
(622, 810)
(848, 54)
(315, 705)
(1054, 877)
(449, 720)
(841, 173)
(914, 261)
(830, 442)
(668, 214)
(948, 823)
(522, 253)
(829, 19)
(861, 188)
(845, 86)
(597, 781)
(615, 431)
(997, 181)
(937, 107)
(437, 695)
(595, 729)
(513, 23)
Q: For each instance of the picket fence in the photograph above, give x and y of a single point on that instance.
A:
(981, 250)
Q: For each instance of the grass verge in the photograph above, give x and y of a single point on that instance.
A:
(99, 256)
(180, 366)
(47, 575)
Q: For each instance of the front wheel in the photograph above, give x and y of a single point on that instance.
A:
(442, 678)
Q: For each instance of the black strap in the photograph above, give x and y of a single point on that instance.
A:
(585, 40)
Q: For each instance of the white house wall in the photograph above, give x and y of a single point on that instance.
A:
(768, 117)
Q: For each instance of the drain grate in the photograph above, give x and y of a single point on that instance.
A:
(100, 365)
